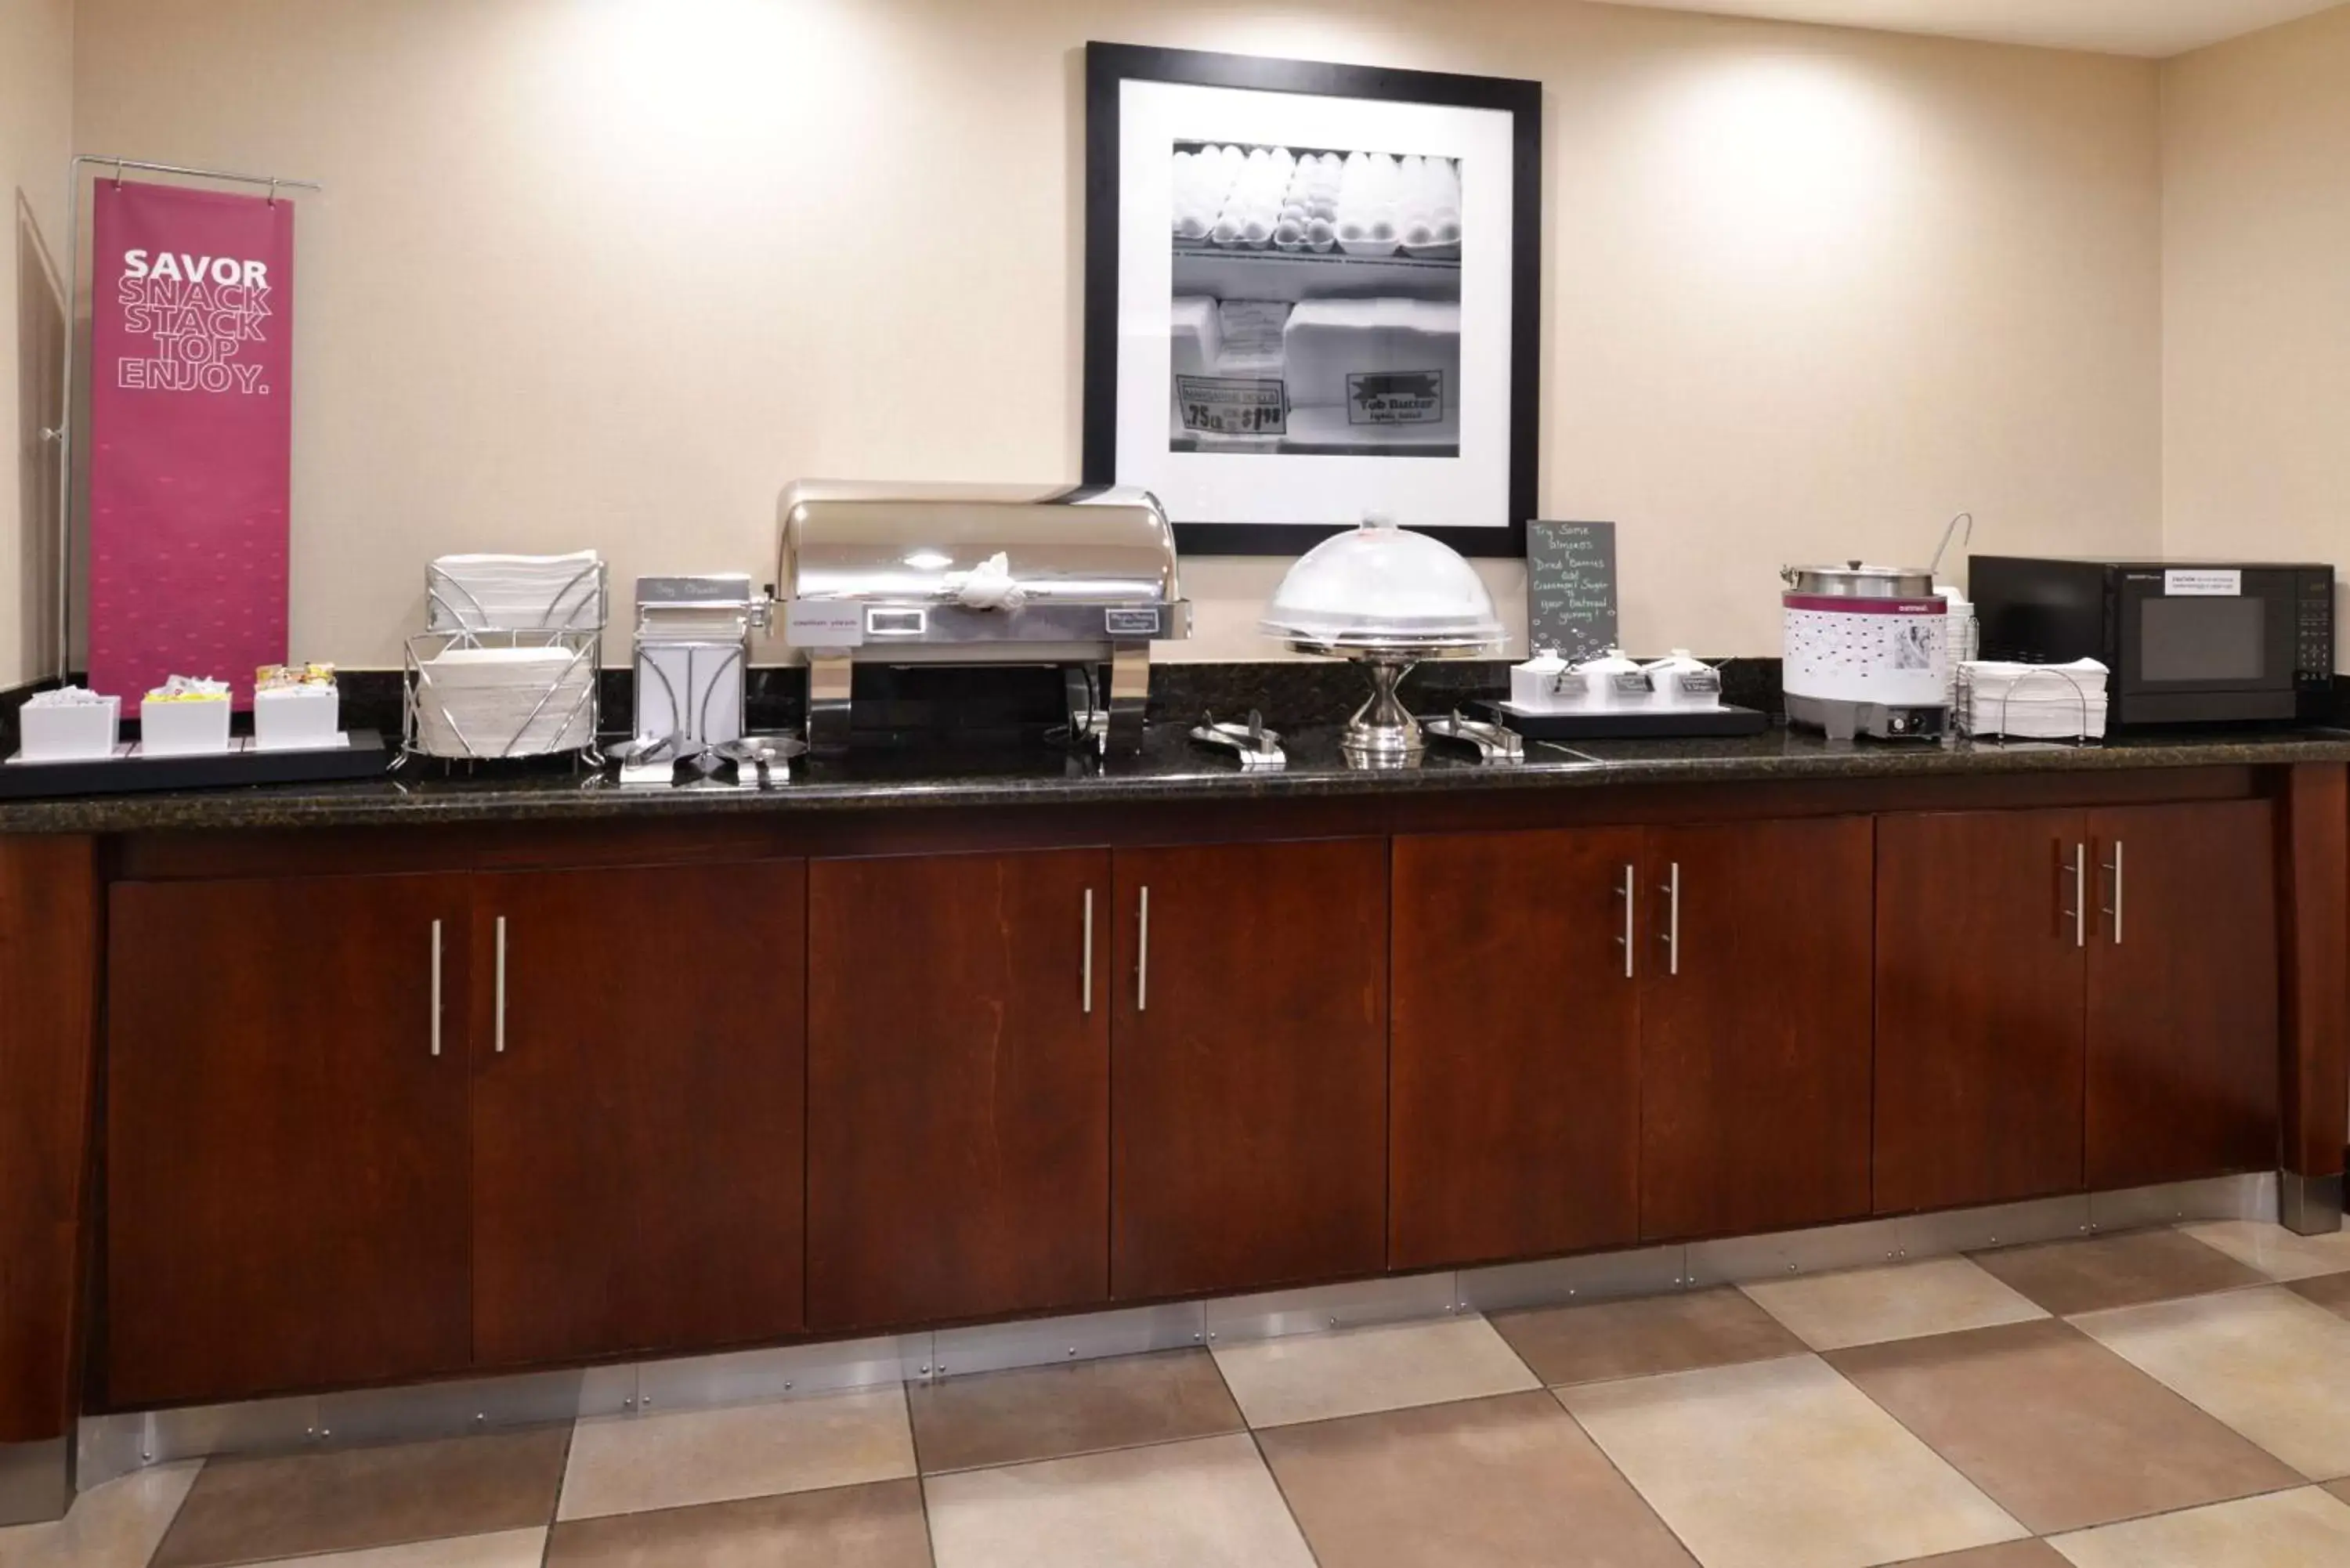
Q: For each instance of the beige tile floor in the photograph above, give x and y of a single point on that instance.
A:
(2170, 1400)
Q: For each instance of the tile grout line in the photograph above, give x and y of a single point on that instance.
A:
(1256, 1445)
(2189, 1507)
(1618, 1471)
(930, 1530)
(2197, 1403)
(202, 1464)
(555, 1508)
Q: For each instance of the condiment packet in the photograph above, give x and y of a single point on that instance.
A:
(189, 689)
(66, 697)
(292, 677)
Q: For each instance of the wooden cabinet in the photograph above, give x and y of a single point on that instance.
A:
(1981, 958)
(638, 1080)
(1754, 1026)
(1249, 1045)
(959, 1076)
(286, 1143)
(363, 1128)
(2071, 999)
(1515, 1062)
(2182, 1022)
(1554, 1091)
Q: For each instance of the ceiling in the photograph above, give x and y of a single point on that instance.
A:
(2150, 27)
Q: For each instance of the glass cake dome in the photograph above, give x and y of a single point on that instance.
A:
(1383, 590)
(1389, 598)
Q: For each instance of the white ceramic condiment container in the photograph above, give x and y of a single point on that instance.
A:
(1540, 685)
(296, 718)
(1612, 681)
(183, 729)
(1679, 680)
(70, 732)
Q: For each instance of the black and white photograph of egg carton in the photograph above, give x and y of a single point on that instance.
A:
(1316, 303)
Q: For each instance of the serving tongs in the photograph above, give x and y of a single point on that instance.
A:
(760, 755)
(1495, 743)
(648, 759)
(1258, 749)
(671, 759)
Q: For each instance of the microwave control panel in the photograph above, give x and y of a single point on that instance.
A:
(2313, 630)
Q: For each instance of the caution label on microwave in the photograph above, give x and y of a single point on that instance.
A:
(2207, 582)
(1395, 398)
(1232, 405)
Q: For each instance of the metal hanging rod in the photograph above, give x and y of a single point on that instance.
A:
(62, 434)
(119, 164)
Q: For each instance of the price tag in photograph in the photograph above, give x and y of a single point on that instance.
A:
(1231, 406)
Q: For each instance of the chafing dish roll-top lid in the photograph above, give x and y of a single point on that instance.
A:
(912, 543)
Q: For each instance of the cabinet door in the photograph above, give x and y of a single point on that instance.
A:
(2182, 1018)
(1755, 1026)
(1981, 969)
(285, 1134)
(636, 1108)
(1249, 1074)
(1514, 1128)
(958, 1086)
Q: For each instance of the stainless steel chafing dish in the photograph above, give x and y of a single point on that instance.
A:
(880, 573)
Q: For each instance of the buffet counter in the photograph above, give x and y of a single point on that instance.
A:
(1170, 766)
(308, 1089)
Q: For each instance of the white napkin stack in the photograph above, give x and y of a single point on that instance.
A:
(2033, 701)
(487, 593)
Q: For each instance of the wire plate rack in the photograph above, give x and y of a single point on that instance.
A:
(550, 706)
(1993, 726)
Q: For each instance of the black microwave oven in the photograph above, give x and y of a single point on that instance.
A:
(2183, 642)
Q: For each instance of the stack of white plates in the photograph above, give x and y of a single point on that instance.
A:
(2033, 701)
(493, 593)
(504, 701)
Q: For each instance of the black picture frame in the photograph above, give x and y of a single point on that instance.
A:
(1108, 65)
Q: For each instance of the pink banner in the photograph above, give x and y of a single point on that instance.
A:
(191, 435)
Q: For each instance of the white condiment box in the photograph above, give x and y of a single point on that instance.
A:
(296, 718)
(73, 732)
(183, 729)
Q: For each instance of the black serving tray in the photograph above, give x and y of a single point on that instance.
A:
(365, 757)
(1629, 724)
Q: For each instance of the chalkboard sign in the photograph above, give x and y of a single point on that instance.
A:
(1570, 588)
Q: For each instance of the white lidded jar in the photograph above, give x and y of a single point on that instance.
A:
(1540, 685)
(1612, 681)
(1681, 681)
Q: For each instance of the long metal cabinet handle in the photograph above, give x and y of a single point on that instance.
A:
(501, 1036)
(1085, 981)
(2080, 911)
(1627, 892)
(2114, 866)
(1142, 955)
(436, 988)
(1673, 921)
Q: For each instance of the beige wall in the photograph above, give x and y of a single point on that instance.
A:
(35, 140)
(609, 272)
(2256, 295)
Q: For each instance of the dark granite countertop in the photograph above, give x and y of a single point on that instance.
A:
(1172, 767)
